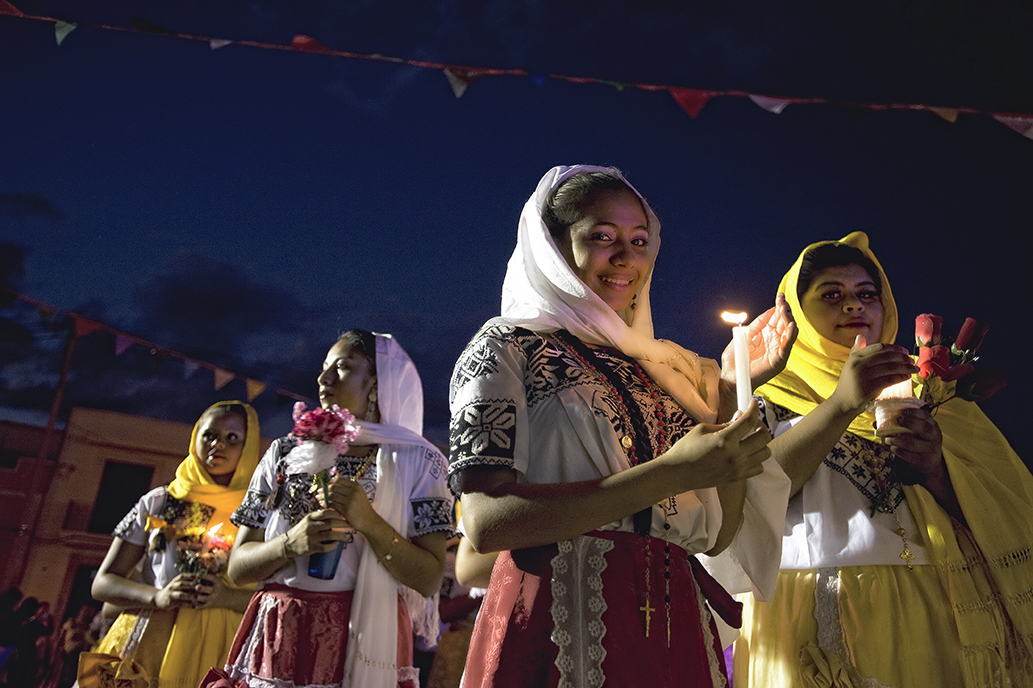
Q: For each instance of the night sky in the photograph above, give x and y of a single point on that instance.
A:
(244, 205)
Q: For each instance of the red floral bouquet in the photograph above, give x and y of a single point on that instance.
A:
(323, 434)
(948, 370)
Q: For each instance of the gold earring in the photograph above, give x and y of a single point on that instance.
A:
(371, 405)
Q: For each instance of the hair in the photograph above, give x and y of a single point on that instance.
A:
(567, 201)
(831, 255)
(223, 409)
(362, 342)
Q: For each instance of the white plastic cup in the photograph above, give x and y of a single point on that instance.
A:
(887, 414)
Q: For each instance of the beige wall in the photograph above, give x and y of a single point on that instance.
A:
(92, 438)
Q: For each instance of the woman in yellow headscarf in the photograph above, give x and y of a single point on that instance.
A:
(906, 561)
(166, 565)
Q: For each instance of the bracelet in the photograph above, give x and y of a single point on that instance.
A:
(387, 555)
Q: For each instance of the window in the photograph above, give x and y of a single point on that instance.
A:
(120, 487)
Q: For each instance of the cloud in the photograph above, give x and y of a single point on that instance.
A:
(23, 205)
(208, 305)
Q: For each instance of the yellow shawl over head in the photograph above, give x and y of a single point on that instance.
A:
(815, 362)
(193, 483)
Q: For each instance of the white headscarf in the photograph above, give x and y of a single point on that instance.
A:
(370, 659)
(542, 293)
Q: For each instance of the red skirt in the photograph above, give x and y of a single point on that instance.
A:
(520, 629)
(292, 637)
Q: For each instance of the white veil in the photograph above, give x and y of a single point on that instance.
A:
(542, 293)
(370, 659)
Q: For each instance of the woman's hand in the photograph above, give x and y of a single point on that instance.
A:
(770, 337)
(190, 590)
(868, 371)
(318, 531)
(711, 455)
(922, 449)
(349, 499)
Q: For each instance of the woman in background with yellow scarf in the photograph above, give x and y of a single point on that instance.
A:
(163, 569)
(904, 563)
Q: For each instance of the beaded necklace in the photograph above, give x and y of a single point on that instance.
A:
(638, 448)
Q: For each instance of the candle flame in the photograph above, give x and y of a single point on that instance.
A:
(733, 318)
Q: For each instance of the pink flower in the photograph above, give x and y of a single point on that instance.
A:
(928, 329)
(335, 426)
(933, 360)
(970, 337)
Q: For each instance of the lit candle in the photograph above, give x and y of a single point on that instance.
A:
(741, 350)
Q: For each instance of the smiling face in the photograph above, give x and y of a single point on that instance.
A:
(220, 443)
(842, 302)
(346, 379)
(608, 247)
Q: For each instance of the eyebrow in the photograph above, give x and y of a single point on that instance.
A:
(837, 283)
(608, 223)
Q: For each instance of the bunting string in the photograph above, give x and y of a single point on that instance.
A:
(459, 77)
(84, 326)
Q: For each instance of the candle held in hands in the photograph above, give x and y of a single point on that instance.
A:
(741, 350)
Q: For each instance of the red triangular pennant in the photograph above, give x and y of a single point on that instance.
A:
(8, 8)
(691, 100)
(308, 44)
(84, 327)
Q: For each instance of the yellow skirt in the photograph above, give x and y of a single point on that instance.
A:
(166, 649)
(897, 628)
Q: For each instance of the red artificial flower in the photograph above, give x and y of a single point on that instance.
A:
(981, 384)
(933, 360)
(928, 329)
(970, 337)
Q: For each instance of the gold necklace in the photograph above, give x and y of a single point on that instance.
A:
(882, 472)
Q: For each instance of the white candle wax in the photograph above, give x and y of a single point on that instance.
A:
(741, 349)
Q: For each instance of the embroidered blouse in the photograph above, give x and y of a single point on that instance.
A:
(520, 400)
(844, 515)
(159, 564)
(276, 502)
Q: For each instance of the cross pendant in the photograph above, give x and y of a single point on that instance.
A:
(647, 609)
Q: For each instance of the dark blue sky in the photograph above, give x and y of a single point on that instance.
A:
(248, 204)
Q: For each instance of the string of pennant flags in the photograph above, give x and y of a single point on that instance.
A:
(460, 77)
(83, 327)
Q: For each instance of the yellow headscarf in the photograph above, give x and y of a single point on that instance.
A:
(815, 362)
(193, 483)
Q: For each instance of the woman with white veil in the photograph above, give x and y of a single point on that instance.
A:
(387, 504)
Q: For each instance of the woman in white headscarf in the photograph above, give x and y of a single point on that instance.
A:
(588, 453)
(390, 507)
